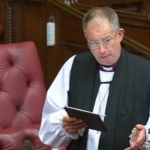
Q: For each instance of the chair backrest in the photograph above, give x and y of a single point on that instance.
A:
(22, 89)
(1, 32)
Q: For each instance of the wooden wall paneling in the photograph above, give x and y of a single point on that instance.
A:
(139, 30)
(141, 6)
(68, 28)
(134, 20)
(30, 18)
(53, 57)
(19, 21)
(140, 35)
(108, 2)
(131, 7)
(4, 19)
(29, 25)
(70, 48)
(71, 35)
(136, 27)
(146, 7)
(71, 29)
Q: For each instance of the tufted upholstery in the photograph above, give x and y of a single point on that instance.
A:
(22, 95)
(1, 32)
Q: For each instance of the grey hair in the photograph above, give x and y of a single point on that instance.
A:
(102, 12)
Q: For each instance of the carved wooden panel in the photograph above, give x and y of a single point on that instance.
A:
(109, 2)
(29, 23)
(71, 29)
(70, 48)
(4, 19)
(138, 34)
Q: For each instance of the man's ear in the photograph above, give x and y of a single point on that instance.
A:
(121, 33)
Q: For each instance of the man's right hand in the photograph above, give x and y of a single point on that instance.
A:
(73, 125)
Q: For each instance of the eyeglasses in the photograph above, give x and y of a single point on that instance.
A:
(107, 42)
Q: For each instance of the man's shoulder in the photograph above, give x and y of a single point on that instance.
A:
(138, 60)
(84, 57)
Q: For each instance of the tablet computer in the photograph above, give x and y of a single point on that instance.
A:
(92, 120)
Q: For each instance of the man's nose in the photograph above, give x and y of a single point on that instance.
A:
(102, 48)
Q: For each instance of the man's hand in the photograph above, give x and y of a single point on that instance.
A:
(73, 125)
(140, 138)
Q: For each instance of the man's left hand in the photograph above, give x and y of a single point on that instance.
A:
(140, 138)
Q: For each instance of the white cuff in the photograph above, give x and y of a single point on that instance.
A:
(147, 133)
(72, 136)
(132, 136)
(146, 144)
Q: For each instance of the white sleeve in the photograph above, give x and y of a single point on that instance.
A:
(51, 132)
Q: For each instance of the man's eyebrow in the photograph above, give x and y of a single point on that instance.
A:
(93, 40)
(108, 36)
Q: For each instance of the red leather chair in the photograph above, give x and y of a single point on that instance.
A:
(1, 32)
(22, 96)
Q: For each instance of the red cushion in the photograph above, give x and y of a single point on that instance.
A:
(21, 85)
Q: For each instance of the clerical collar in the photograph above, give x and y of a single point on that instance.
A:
(108, 68)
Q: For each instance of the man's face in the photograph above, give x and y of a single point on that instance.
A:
(104, 43)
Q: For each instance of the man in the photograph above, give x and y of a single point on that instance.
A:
(107, 80)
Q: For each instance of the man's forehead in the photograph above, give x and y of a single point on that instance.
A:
(98, 24)
(98, 27)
